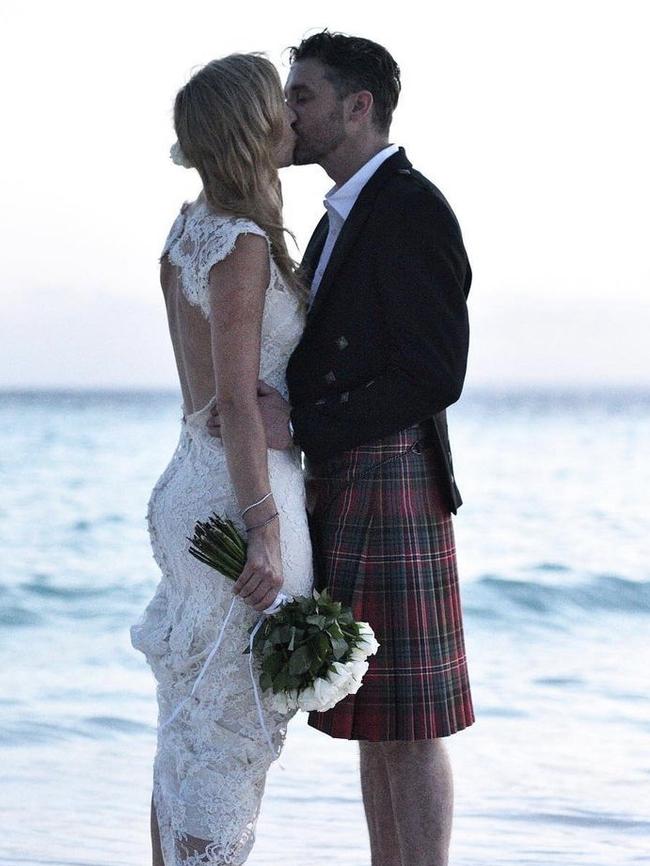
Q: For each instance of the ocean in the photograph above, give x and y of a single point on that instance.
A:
(554, 553)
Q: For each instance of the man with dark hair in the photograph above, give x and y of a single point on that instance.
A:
(351, 65)
(382, 355)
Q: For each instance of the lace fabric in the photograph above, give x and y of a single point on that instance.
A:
(211, 762)
(200, 239)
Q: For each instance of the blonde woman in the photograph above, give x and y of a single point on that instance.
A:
(235, 313)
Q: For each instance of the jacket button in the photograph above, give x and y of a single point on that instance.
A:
(330, 377)
(342, 343)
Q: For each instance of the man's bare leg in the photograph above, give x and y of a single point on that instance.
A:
(156, 850)
(378, 803)
(420, 805)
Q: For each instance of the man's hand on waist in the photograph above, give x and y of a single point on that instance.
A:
(275, 411)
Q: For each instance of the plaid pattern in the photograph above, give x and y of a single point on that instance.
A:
(384, 544)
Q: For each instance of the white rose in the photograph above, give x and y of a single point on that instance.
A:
(358, 653)
(332, 701)
(358, 671)
(340, 676)
(177, 156)
(307, 699)
(279, 702)
(349, 679)
(322, 691)
(368, 642)
(326, 692)
(321, 695)
(285, 702)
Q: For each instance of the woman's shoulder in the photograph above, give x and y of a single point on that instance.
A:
(228, 225)
(207, 231)
(218, 235)
(216, 227)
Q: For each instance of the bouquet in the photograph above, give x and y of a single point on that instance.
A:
(312, 651)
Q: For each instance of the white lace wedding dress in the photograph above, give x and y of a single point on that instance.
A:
(212, 760)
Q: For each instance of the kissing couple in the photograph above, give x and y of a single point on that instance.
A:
(344, 366)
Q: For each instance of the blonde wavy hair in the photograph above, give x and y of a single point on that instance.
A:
(229, 118)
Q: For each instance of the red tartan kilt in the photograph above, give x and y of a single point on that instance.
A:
(384, 544)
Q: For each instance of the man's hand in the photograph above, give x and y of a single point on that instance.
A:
(275, 416)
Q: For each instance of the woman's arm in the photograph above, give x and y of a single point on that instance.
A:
(237, 291)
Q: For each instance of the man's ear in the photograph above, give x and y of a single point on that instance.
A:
(359, 106)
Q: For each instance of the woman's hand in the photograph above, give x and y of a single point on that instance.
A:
(261, 579)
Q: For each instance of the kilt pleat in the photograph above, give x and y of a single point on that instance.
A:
(384, 544)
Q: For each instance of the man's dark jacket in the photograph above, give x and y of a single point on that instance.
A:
(386, 339)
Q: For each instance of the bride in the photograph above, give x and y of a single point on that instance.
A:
(235, 313)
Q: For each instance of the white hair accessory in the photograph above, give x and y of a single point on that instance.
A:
(178, 157)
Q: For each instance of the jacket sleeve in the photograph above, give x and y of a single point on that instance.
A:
(422, 278)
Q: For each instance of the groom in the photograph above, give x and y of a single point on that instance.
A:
(382, 355)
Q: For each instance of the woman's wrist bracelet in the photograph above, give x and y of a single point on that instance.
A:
(261, 525)
(255, 504)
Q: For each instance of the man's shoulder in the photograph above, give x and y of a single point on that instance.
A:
(409, 194)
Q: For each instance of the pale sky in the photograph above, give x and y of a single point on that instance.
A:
(530, 116)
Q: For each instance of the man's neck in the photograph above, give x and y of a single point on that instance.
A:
(348, 158)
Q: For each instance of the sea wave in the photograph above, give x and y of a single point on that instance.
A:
(490, 597)
(495, 597)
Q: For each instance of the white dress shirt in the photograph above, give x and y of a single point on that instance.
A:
(339, 201)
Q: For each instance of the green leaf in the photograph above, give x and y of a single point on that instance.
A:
(280, 634)
(339, 647)
(323, 646)
(306, 605)
(273, 663)
(280, 681)
(335, 630)
(315, 666)
(300, 660)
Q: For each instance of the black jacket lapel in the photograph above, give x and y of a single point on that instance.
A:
(353, 225)
(313, 252)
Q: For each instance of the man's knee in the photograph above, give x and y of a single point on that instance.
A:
(398, 751)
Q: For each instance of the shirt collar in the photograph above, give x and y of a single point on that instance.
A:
(341, 199)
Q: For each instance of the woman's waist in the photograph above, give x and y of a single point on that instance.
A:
(201, 441)
(200, 455)
(274, 377)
